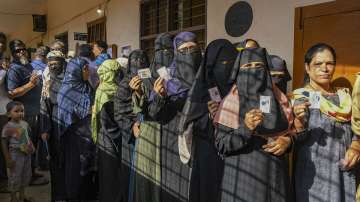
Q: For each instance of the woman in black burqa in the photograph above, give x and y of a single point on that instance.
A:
(207, 165)
(251, 140)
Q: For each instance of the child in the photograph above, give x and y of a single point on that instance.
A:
(17, 148)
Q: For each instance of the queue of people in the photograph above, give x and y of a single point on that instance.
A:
(188, 124)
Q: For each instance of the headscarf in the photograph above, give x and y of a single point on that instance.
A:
(106, 90)
(215, 71)
(164, 53)
(123, 108)
(75, 96)
(138, 60)
(52, 77)
(341, 113)
(355, 118)
(184, 66)
(242, 44)
(279, 65)
(252, 83)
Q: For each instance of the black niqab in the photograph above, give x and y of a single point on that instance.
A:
(279, 65)
(164, 54)
(253, 83)
(215, 71)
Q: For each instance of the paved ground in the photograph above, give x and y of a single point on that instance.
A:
(39, 193)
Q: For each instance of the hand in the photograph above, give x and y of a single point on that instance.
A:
(253, 118)
(279, 146)
(135, 84)
(300, 110)
(86, 73)
(159, 87)
(34, 78)
(213, 107)
(136, 129)
(352, 156)
(45, 137)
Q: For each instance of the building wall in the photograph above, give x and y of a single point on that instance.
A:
(17, 23)
(123, 25)
(273, 24)
(122, 16)
(70, 16)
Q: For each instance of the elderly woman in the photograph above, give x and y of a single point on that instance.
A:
(252, 137)
(49, 124)
(326, 149)
(164, 107)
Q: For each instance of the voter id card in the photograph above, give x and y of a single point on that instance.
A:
(215, 94)
(144, 73)
(265, 103)
(314, 100)
(164, 73)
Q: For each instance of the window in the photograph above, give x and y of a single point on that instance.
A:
(173, 16)
(97, 30)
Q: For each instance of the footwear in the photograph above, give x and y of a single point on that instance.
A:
(39, 181)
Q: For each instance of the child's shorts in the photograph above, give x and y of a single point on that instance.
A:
(20, 174)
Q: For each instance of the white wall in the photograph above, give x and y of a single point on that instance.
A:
(273, 24)
(70, 16)
(122, 16)
(123, 24)
(20, 26)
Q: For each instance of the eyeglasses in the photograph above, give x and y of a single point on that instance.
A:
(57, 49)
(20, 50)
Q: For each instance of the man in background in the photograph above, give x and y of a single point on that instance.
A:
(23, 85)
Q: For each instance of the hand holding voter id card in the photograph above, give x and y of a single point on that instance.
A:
(215, 94)
(37, 72)
(163, 73)
(314, 100)
(144, 73)
(265, 103)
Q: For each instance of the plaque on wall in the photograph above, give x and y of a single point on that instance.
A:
(238, 19)
(80, 36)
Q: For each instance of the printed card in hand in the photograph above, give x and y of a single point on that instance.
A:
(265, 104)
(163, 73)
(314, 100)
(37, 72)
(144, 73)
(215, 94)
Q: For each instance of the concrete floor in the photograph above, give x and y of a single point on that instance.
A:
(39, 193)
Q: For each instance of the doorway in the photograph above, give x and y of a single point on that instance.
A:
(336, 23)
